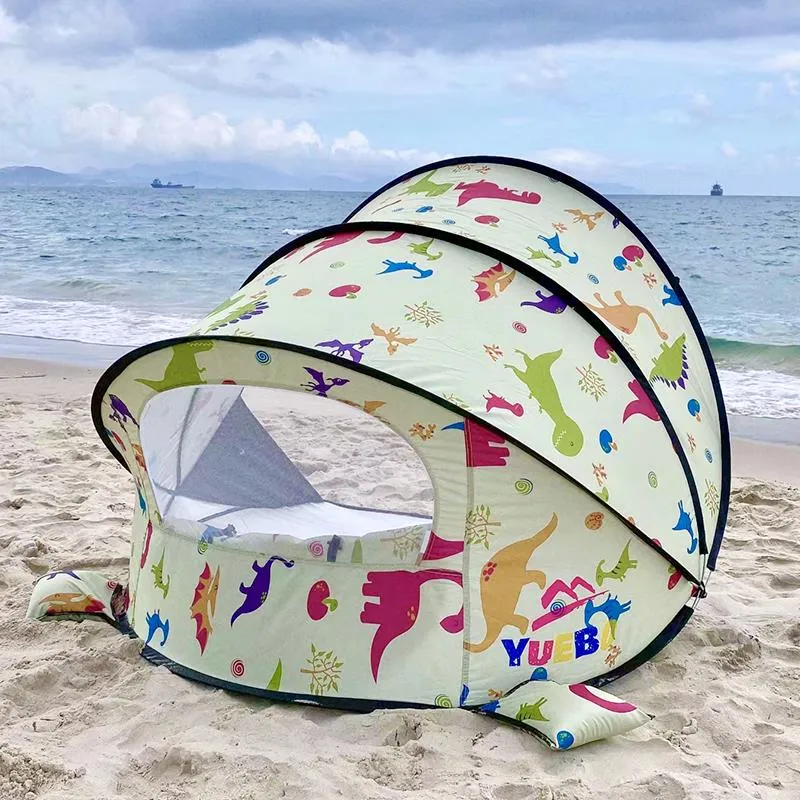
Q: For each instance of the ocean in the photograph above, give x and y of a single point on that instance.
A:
(128, 266)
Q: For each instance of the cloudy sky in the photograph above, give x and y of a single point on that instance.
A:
(668, 96)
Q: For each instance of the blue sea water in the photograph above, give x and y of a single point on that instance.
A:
(128, 266)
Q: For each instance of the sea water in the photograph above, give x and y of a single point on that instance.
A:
(129, 266)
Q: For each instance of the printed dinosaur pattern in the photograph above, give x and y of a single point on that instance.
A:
(72, 603)
(567, 435)
(483, 597)
(624, 563)
(255, 595)
(182, 369)
(503, 578)
(623, 316)
(671, 365)
(398, 606)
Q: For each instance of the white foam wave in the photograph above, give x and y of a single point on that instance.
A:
(295, 231)
(94, 323)
(761, 393)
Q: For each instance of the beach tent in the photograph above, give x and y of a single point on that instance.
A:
(530, 344)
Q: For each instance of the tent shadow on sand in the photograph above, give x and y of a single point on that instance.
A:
(530, 344)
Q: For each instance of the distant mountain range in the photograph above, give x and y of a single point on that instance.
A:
(204, 175)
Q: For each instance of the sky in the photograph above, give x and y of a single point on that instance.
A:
(667, 97)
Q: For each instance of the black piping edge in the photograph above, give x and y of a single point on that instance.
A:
(351, 704)
(672, 279)
(121, 364)
(673, 628)
(548, 283)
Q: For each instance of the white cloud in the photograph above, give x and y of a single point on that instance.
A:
(728, 150)
(783, 62)
(700, 105)
(166, 127)
(792, 84)
(569, 157)
(10, 31)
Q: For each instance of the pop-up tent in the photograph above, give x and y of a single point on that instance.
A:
(542, 360)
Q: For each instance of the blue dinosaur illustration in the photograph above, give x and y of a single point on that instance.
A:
(399, 266)
(611, 607)
(670, 296)
(684, 523)
(211, 533)
(352, 349)
(155, 623)
(255, 595)
(142, 501)
(555, 246)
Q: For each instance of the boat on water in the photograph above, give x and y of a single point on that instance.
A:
(156, 184)
(716, 190)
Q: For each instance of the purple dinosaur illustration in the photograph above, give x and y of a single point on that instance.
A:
(342, 349)
(321, 385)
(397, 609)
(399, 266)
(486, 190)
(120, 412)
(255, 595)
(551, 304)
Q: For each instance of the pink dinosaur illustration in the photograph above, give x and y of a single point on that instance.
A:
(494, 401)
(486, 190)
(390, 237)
(641, 405)
(484, 448)
(332, 241)
(397, 609)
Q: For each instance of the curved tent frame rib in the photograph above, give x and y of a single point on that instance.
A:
(672, 279)
(118, 367)
(548, 283)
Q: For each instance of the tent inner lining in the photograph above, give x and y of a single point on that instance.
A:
(211, 461)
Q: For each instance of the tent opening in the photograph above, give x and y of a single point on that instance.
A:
(259, 461)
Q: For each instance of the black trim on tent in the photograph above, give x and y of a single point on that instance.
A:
(595, 322)
(672, 279)
(107, 378)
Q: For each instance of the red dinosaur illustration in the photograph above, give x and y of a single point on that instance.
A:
(331, 241)
(641, 405)
(397, 609)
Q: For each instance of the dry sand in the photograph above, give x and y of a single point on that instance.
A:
(83, 716)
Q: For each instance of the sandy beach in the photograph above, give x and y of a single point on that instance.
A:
(83, 715)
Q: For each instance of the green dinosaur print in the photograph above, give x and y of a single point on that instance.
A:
(532, 711)
(671, 366)
(624, 563)
(256, 305)
(182, 369)
(226, 304)
(158, 576)
(567, 435)
(427, 187)
(534, 254)
(421, 249)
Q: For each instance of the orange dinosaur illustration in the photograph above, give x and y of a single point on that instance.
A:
(623, 317)
(492, 281)
(72, 603)
(204, 604)
(393, 338)
(502, 579)
(584, 216)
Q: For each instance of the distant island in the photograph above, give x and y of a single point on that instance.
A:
(205, 175)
